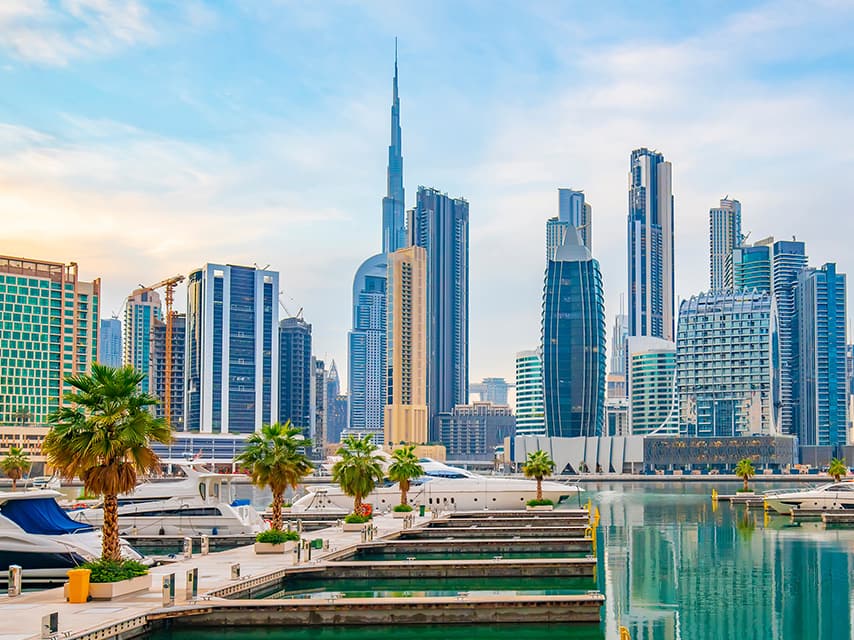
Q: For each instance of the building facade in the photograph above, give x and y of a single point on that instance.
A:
(142, 310)
(110, 343)
(440, 225)
(232, 351)
(176, 386)
(406, 418)
(49, 322)
(619, 335)
(650, 250)
(573, 211)
(820, 320)
(749, 267)
(727, 359)
(530, 410)
(652, 402)
(473, 431)
(336, 413)
(573, 333)
(724, 236)
(295, 373)
(319, 402)
(492, 390)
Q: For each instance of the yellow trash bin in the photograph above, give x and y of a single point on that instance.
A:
(78, 585)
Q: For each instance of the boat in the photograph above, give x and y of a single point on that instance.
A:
(37, 535)
(201, 503)
(442, 487)
(831, 496)
(45, 482)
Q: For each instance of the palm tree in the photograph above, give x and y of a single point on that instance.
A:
(538, 466)
(15, 465)
(276, 458)
(837, 469)
(359, 469)
(103, 437)
(744, 470)
(404, 468)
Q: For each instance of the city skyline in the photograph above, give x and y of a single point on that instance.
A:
(85, 166)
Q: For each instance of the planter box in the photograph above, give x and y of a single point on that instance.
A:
(540, 507)
(110, 590)
(269, 547)
(353, 526)
(400, 515)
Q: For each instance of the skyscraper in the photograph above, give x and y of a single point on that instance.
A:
(336, 414)
(295, 374)
(232, 354)
(573, 211)
(440, 225)
(820, 341)
(492, 390)
(158, 354)
(110, 347)
(573, 332)
(724, 236)
(619, 335)
(406, 411)
(394, 212)
(748, 267)
(49, 322)
(318, 404)
(650, 255)
(530, 413)
(142, 311)
(652, 402)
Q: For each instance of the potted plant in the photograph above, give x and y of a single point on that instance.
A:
(538, 466)
(15, 465)
(275, 458)
(403, 469)
(358, 472)
(744, 470)
(837, 469)
(103, 436)
(276, 541)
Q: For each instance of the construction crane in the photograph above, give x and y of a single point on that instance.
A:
(168, 285)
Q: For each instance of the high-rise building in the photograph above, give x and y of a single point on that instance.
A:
(820, 347)
(176, 386)
(748, 267)
(49, 321)
(650, 255)
(142, 311)
(726, 361)
(295, 373)
(110, 347)
(492, 390)
(573, 211)
(336, 408)
(394, 209)
(619, 335)
(318, 404)
(530, 412)
(574, 358)
(652, 404)
(367, 349)
(406, 412)
(473, 431)
(440, 225)
(232, 350)
(724, 236)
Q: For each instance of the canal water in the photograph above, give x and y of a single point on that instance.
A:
(673, 567)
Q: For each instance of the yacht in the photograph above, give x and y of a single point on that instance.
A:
(200, 503)
(45, 482)
(37, 535)
(442, 487)
(835, 495)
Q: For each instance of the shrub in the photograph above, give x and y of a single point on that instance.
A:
(743, 490)
(355, 518)
(402, 508)
(274, 536)
(114, 571)
(544, 502)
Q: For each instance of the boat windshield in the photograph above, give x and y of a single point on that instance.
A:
(446, 473)
(41, 516)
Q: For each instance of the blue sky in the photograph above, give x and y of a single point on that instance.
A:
(143, 139)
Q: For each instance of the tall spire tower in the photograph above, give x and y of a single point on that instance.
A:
(394, 231)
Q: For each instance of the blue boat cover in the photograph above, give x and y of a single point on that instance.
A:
(41, 516)
(241, 502)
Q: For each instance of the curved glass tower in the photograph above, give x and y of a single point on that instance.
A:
(574, 342)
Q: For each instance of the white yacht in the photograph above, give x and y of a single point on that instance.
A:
(201, 503)
(442, 487)
(835, 495)
(46, 482)
(37, 535)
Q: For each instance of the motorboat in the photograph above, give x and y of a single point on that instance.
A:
(831, 496)
(201, 503)
(442, 487)
(45, 482)
(37, 535)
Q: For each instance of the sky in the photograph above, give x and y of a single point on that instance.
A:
(144, 139)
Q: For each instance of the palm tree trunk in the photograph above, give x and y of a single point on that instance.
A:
(357, 502)
(404, 489)
(110, 534)
(14, 483)
(539, 488)
(278, 501)
(745, 483)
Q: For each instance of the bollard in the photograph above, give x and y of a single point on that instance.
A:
(169, 590)
(188, 547)
(308, 550)
(14, 580)
(299, 526)
(235, 571)
(296, 555)
(364, 534)
(192, 589)
(206, 545)
(326, 544)
(50, 624)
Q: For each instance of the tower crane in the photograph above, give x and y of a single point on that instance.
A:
(168, 285)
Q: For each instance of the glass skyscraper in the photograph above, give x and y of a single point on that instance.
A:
(819, 337)
(142, 311)
(652, 406)
(724, 236)
(295, 375)
(232, 350)
(650, 251)
(441, 225)
(394, 212)
(530, 413)
(573, 331)
(110, 347)
(748, 267)
(573, 211)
